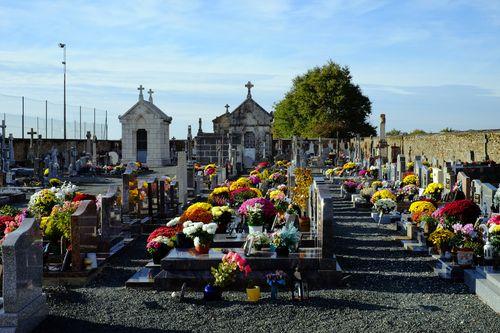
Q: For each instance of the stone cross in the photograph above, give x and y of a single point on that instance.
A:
(150, 92)
(141, 96)
(88, 146)
(249, 86)
(227, 108)
(31, 133)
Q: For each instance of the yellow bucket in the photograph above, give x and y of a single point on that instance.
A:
(253, 294)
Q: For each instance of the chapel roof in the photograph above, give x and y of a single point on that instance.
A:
(148, 105)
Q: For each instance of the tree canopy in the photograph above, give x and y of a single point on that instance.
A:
(321, 103)
(395, 132)
(417, 132)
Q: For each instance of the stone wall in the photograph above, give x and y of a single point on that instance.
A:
(21, 147)
(442, 146)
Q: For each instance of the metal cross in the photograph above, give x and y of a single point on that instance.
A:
(249, 86)
(31, 133)
(227, 108)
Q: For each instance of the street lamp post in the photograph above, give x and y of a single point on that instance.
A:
(63, 46)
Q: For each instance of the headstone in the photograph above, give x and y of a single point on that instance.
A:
(31, 152)
(477, 191)
(465, 180)
(425, 176)
(84, 235)
(400, 167)
(127, 176)
(113, 157)
(24, 303)
(110, 214)
(73, 154)
(182, 176)
(94, 150)
(54, 164)
(393, 171)
(437, 175)
(88, 143)
(12, 159)
(488, 192)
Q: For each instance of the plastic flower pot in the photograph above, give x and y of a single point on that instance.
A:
(282, 251)
(253, 294)
(202, 248)
(212, 293)
(465, 257)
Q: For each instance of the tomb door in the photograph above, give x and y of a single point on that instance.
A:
(249, 149)
(142, 145)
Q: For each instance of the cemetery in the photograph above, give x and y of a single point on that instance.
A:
(265, 166)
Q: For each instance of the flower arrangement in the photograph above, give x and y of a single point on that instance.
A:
(464, 235)
(421, 207)
(367, 192)
(58, 223)
(410, 166)
(409, 191)
(160, 244)
(277, 178)
(283, 164)
(329, 172)
(219, 196)
(465, 211)
(8, 210)
(376, 184)
(434, 191)
(441, 237)
(255, 179)
(385, 206)
(42, 202)
(258, 207)
(349, 166)
(240, 195)
(170, 230)
(288, 236)
(201, 233)
(222, 216)
(494, 220)
(383, 194)
(262, 165)
(210, 169)
(260, 239)
(200, 212)
(276, 278)
(9, 223)
(242, 182)
(303, 180)
(410, 179)
(363, 173)
(224, 274)
(276, 195)
(350, 185)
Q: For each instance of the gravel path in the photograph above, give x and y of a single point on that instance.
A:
(386, 290)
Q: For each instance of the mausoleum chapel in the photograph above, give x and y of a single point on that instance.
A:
(273, 193)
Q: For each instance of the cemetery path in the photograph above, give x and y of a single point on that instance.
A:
(386, 290)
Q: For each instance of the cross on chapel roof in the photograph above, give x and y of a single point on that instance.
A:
(227, 108)
(249, 86)
(150, 92)
(141, 96)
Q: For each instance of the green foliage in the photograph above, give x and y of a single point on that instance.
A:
(394, 132)
(447, 130)
(417, 132)
(321, 102)
(8, 210)
(224, 273)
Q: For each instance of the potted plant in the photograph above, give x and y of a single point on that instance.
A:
(225, 274)
(257, 212)
(462, 240)
(441, 238)
(222, 215)
(494, 239)
(384, 207)
(201, 233)
(159, 247)
(260, 240)
(274, 280)
(285, 240)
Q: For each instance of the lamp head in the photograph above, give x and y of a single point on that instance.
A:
(61, 45)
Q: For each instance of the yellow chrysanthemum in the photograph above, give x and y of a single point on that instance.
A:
(418, 207)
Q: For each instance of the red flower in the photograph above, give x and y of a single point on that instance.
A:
(464, 210)
(164, 231)
(84, 196)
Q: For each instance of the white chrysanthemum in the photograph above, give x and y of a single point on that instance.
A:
(173, 222)
(196, 241)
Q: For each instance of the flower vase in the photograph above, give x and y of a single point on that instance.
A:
(202, 248)
(212, 293)
(465, 257)
(253, 294)
(274, 292)
(282, 251)
(255, 228)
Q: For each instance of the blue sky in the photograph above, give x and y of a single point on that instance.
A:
(425, 64)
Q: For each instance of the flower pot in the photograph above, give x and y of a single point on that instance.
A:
(255, 228)
(282, 251)
(159, 255)
(212, 293)
(183, 242)
(465, 257)
(274, 292)
(202, 248)
(304, 224)
(253, 294)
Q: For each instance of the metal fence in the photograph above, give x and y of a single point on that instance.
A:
(46, 118)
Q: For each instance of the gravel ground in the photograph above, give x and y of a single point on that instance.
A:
(386, 290)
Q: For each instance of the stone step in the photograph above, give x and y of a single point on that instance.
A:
(488, 273)
(486, 289)
(145, 277)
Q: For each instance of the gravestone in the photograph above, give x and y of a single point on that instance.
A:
(88, 144)
(127, 177)
(393, 172)
(466, 184)
(426, 175)
(110, 214)
(84, 235)
(24, 303)
(94, 150)
(487, 192)
(54, 164)
(182, 176)
(73, 154)
(113, 157)
(477, 191)
(449, 177)
(400, 167)
(437, 175)
(417, 169)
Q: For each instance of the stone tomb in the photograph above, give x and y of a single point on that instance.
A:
(24, 304)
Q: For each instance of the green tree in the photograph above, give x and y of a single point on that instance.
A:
(417, 132)
(394, 132)
(321, 102)
(447, 130)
